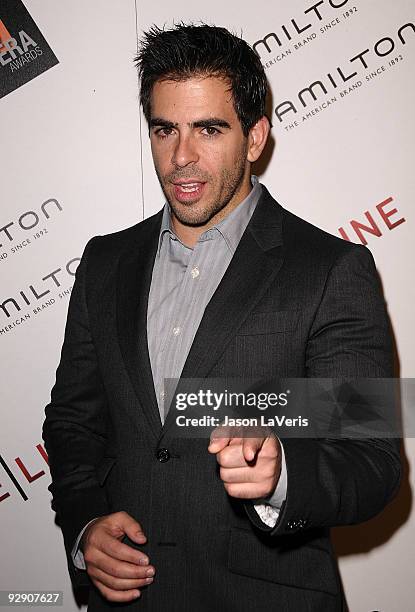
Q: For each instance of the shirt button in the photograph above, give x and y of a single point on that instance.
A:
(176, 331)
(195, 272)
(161, 395)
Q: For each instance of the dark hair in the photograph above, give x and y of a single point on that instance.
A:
(188, 50)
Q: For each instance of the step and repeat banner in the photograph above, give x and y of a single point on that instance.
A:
(75, 162)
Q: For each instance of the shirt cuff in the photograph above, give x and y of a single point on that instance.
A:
(77, 554)
(269, 511)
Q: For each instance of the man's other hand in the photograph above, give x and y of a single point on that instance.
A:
(116, 569)
(250, 467)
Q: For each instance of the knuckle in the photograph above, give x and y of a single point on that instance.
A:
(111, 595)
(111, 547)
(142, 572)
(106, 592)
(118, 584)
(88, 555)
(90, 572)
(232, 489)
(123, 585)
(114, 570)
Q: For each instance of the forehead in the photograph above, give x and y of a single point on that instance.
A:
(193, 98)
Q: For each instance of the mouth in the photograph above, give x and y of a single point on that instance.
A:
(189, 190)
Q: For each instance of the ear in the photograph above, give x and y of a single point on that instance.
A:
(257, 139)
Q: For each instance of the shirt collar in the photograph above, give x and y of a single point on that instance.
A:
(231, 227)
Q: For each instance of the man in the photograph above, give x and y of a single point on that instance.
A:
(222, 282)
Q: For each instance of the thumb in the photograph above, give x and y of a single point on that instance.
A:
(218, 444)
(132, 528)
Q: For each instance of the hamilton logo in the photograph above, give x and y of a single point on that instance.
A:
(24, 52)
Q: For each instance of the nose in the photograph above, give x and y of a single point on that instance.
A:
(185, 152)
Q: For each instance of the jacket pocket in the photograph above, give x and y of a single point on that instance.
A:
(304, 567)
(269, 322)
(104, 468)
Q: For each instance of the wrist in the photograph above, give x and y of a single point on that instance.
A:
(84, 539)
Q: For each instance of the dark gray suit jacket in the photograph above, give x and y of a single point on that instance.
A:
(294, 302)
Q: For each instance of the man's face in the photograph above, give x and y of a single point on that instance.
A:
(199, 149)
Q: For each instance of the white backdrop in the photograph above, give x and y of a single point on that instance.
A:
(73, 135)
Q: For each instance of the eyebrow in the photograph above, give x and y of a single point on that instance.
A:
(201, 123)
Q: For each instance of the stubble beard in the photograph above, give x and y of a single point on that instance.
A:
(230, 182)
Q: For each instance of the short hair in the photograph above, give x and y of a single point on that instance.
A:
(187, 50)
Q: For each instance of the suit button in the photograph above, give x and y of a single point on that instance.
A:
(162, 455)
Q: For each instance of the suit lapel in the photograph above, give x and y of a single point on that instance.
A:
(253, 268)
(133, 286)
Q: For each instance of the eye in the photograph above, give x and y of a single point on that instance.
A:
(211, 131)
(163, 132)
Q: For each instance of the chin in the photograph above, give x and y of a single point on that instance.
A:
(194, 220)
(190, 217)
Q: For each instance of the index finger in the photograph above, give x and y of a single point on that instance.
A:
(123, 551)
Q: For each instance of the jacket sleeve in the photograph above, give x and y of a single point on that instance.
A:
(75, 427)
(342, 481)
